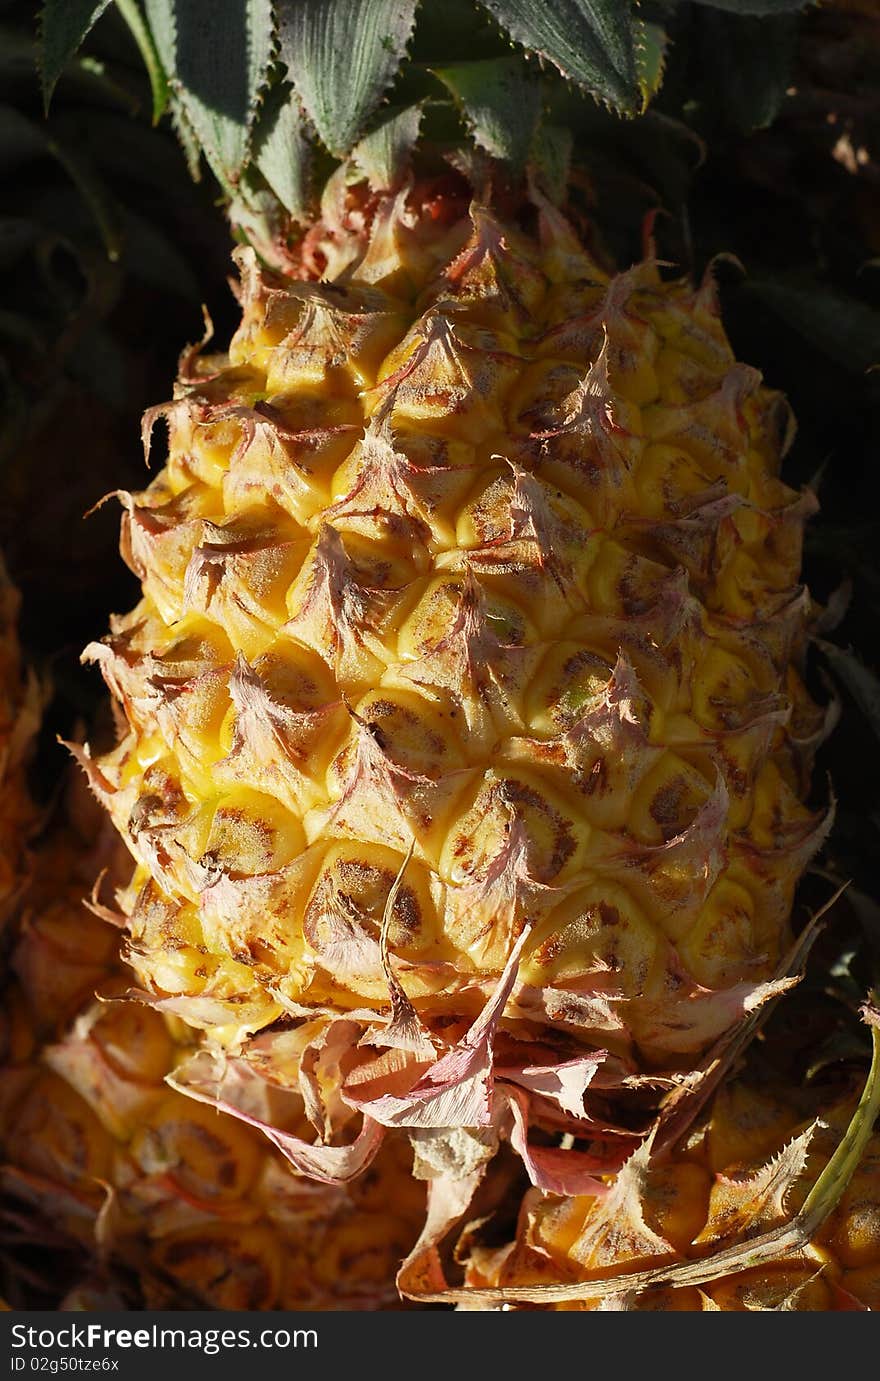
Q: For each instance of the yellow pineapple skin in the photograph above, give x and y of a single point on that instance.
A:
(470, 568)
(716, 1190)
(196, 1206)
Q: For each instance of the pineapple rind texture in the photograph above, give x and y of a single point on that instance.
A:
(194, 1207)
(745, 1171)
(462, 698)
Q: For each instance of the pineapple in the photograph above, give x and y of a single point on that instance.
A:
(99, 1152)
(464, 754)
(461, 702)
(747, 1170)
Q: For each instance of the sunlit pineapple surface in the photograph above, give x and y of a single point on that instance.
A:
(181, 1206)
(745, 1171)
(465, 663)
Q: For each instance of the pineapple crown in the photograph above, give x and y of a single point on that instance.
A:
(276, 94)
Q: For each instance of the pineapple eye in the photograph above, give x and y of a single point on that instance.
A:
(569, 679)
(207, 1157)
(542, 398)
(348, 902)
(135, 1041)
(235, 1266)
(251, 833)
(667, 800)
(57, 1137)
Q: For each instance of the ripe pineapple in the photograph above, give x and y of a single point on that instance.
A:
(466, 752)
(747, 1170)
(96, 1150)
(464, 669)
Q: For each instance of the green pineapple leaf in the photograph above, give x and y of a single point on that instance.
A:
(257, 217)
(500, 99)
(383, 154)
(64, 25)
(281, 149)
(140, 32)
(650, 49)
(591, 42)
(342, 56)
(217, 54)
(551, 160)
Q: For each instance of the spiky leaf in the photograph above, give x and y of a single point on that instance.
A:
(650, 49)
(500, 100)
(383, 154)
(140, 32)
(551, 159)
(281, 149)
(217, 55)
(256, 215)
(752, 1201)
(342, 56)
(65, 23)
(589, 41)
